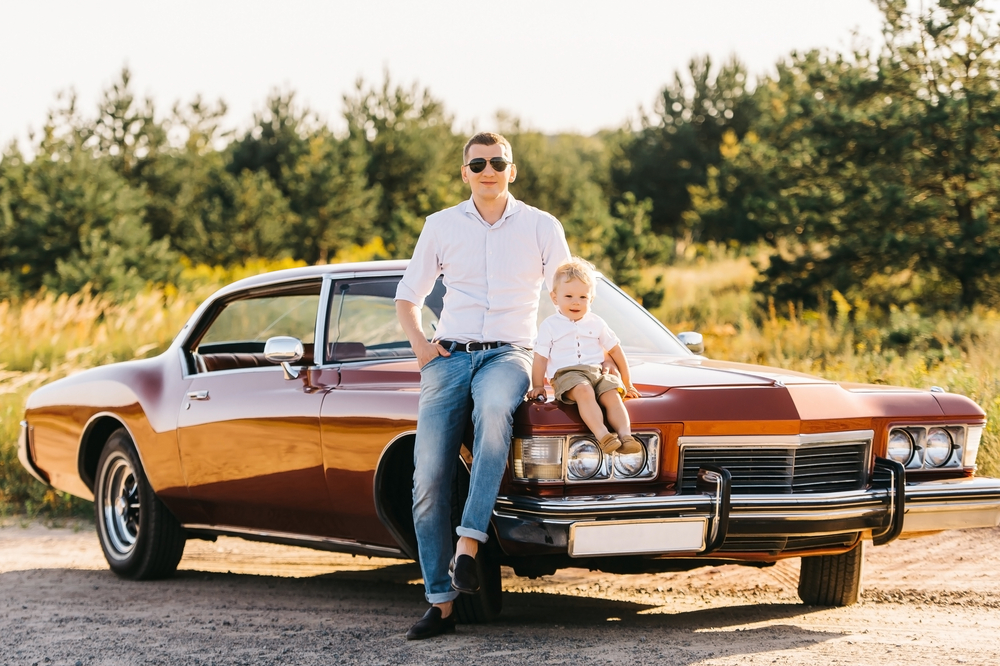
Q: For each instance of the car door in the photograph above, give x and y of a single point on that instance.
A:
(249, 438)
(376, 399)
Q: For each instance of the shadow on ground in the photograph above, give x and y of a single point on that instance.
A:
(356, 617)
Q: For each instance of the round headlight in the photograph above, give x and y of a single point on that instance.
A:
(629, 465)
(900, 446)
(937, 450)
(584, 459)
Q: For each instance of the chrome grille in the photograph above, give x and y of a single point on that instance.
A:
(803, 466)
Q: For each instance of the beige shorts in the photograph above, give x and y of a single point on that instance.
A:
(573, 375)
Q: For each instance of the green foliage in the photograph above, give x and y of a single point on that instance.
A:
(679, 142)
(875, 173)
(413, 157)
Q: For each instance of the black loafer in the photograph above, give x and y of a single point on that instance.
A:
(464, 576)
(431, 624)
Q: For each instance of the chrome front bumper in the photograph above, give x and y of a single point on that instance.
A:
(928, 507)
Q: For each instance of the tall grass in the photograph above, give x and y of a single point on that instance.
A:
(50, 336)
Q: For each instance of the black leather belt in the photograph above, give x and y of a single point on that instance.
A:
(453, 346)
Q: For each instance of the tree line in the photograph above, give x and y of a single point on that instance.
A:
(873, 173)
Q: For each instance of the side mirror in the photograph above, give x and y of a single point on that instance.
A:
(285, 350)
(693, 341)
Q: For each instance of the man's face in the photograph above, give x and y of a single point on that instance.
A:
(488, 184)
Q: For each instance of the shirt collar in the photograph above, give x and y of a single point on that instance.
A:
(582, 319)
(513, 205)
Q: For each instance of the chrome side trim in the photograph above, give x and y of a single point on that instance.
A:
(24, 455)
(306, 541)
(86, 433)
(777, 441)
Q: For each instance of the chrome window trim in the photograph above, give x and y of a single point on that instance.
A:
(189, 328)
(319, 334)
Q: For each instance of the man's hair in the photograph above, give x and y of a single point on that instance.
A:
(488, 139)
(575, 269)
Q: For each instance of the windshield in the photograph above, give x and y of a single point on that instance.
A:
(362, 323)
(640, 333)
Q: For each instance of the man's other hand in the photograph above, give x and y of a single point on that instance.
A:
(428, 351)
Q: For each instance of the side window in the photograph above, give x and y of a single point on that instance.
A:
(235, 339)
(362, 320)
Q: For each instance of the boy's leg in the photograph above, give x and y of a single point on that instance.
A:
(617, 415)
(619, 420)
(590, 411)
(445, 401)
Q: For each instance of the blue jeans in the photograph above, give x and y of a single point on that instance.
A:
(489, 385)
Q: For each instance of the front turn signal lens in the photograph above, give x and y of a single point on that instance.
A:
(973, 437)
(538, 458)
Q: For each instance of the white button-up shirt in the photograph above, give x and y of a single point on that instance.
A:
(492, 272)
(565, 342)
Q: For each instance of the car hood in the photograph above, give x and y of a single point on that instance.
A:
(655, 375)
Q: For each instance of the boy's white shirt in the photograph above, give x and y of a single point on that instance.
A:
(564, 342)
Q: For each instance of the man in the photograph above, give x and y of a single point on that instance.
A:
(494, 252)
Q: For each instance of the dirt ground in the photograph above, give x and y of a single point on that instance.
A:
(933, 600)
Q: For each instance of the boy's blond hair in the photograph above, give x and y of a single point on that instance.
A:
(576, 268)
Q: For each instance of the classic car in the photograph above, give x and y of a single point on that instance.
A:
(285, 411)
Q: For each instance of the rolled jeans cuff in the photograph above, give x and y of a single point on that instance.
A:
(481, 537)
(442, 597)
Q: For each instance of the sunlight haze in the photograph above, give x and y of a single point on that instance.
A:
(558, 66)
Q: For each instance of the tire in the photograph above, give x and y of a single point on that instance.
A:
(485, 605)
(832, 580)
(140, 538)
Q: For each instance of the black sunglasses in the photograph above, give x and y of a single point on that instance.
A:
(478, 164)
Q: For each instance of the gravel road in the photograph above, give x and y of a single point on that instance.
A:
(931, 600)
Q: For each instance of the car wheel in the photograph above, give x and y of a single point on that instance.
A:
(140, 538)
(486, 604)
(832, 580)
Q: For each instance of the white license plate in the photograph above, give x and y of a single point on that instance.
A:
(637, 537)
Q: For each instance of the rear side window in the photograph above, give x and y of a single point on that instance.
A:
(255, 320)
(237, 333)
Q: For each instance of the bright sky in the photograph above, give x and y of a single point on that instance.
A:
(558, 65)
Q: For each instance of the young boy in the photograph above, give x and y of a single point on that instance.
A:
(569, 350)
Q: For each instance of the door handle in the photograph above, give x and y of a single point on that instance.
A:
(198, 395)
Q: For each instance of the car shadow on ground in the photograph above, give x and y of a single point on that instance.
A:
(362, 616)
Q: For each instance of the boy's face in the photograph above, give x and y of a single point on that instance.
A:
(572, 297)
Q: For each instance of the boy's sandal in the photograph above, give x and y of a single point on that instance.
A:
(630, 445)
(610, 443)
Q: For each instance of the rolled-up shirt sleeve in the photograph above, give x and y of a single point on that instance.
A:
(555, 251)
(423, 269)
